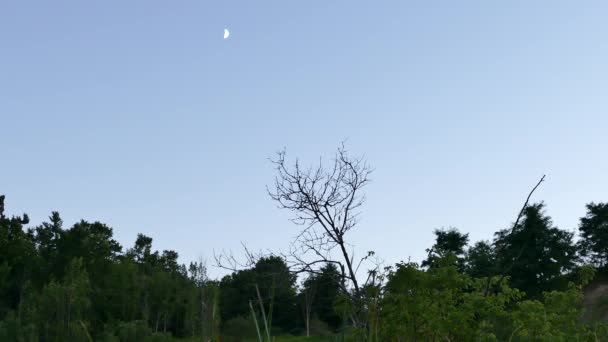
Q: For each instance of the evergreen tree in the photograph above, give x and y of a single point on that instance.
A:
(480, 260)
(594, 234)
(535, 254)
(277, 289)
(326, 289)
(18, 259)
(447, 242)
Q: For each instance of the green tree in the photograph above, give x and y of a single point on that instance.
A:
(277, 288)
(64, 307)
(326, 289)
(18, 259)
(202, 312)
(447, 242)
(121, 291)
(480, 260)
(236, 290)
(593, 229)
(441, 304)
(47, 237)
(146, 261)
(535, 254)
(76, 284)
(94, 243)
(556, 316)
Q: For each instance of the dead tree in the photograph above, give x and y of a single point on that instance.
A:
(325, 202)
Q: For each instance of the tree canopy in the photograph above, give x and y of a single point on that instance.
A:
(535, 253)
(78, 283)
(593, 229)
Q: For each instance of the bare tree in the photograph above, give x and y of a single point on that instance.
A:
(325, 201)
(228, 261)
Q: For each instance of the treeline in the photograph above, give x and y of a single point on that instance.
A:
(79, 284)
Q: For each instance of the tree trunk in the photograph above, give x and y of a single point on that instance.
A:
(69, 313)
(308, 324)
(203, 335)
(19, 310)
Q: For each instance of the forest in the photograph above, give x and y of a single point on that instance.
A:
(530, 283)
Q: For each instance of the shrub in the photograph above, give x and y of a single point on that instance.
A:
(160, 337)
(239, 329)
(135, 331)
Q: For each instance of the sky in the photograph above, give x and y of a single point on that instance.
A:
(140, 115)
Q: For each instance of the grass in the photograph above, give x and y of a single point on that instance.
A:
(283, 338)
(304, 339)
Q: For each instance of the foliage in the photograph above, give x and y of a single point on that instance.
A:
(535, 254)
(447, 242)
(133, 331)
(557, 317)
(441, 303)
(326, 291)
(593, 229)
(276, 285)
(77, 284)
(480, 260)
(63, 307)
(239, 327)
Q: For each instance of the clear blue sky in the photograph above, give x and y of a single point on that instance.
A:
(139, 114)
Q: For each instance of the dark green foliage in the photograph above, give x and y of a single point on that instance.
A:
(594, 234)
(447, 242)
(46, 238)
(133, 331)
(12, 330)
(325, 291)
(237, 328)
(236, 290)
(65, 307)
(440, 304)
(481, 260)
(443, 304)
(77, 284)
(535, 255)
(276, 285)
(18, 259)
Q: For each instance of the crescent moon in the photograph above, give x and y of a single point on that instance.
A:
(226, 33)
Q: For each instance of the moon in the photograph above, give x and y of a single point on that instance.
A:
(226, 33)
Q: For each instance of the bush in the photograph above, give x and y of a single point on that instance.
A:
(11, 331)
(108, 336)
(135, 331)
(160, 337)
(239, 329)
(319, 328)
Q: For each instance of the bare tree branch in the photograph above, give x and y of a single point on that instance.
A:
(515, 224)
(226, 259)
(326, 203)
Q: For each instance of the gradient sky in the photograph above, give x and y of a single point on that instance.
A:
(139, 114)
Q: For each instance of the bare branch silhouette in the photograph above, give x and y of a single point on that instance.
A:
(326, 202)
(519, 216)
